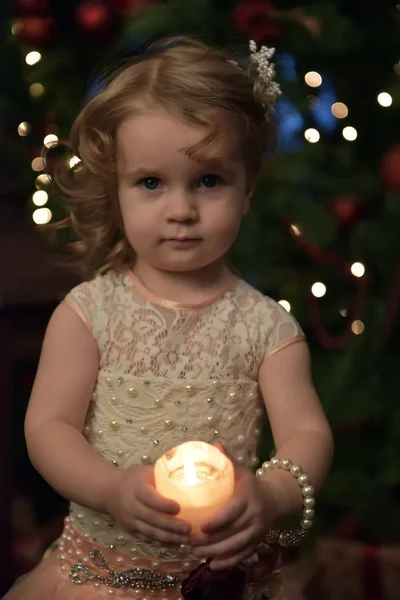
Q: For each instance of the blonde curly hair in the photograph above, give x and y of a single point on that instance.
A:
(193, 82)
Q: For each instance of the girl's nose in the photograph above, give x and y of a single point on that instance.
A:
(182, 208)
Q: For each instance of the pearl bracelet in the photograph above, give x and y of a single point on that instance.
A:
(295, 537)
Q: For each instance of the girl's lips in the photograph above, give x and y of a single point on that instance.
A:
(183, 241)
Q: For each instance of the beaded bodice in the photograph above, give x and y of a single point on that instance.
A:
(170, 373)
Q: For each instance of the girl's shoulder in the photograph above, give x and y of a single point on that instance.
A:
(102, 284)
(91, 295)
(261, 303)
(277, 327)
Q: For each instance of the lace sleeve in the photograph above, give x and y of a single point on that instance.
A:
(284, 330)
(82, 300)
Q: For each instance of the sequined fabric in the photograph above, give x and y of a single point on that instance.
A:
(169, 373)
(87, 564)
(128, 430)
(77, 568)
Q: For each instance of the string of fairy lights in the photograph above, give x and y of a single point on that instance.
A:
(318, 289)
(42, 214)
(339, 110)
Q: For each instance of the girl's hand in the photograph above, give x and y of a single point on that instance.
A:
(234, 534)
(139, 508)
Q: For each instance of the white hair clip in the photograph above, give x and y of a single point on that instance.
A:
(266, 73)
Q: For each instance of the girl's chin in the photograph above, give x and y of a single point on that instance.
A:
(185, 264)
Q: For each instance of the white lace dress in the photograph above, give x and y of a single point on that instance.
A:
(169, 373)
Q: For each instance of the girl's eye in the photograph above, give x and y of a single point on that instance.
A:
(211, 180)
(150, 183)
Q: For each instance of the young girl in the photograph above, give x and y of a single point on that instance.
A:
(164, 344)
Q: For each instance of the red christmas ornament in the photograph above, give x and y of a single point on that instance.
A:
(390, 169)
(37, 31)
(346, 209)
(257, 20)
(33, 7)
(93, 17)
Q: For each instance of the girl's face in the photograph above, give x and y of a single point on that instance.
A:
(178, 214)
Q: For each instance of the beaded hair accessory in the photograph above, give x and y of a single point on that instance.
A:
(266, 73)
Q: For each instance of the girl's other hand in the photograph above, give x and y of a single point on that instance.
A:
(139, 508)
(236, 531)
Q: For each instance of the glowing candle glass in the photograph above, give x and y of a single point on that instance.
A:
(199, 477)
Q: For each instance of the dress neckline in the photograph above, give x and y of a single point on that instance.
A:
(154, 299)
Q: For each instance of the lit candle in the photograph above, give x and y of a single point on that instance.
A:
(199, 477)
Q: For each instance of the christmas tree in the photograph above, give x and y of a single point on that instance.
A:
(322, 237)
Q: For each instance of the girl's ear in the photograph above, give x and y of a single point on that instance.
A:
(247, 198)
(251, 183)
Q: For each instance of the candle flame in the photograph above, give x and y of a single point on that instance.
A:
(190, 471)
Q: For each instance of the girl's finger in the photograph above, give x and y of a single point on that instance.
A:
(231, 561)
(154, 533)
(218, 444)
(227, 547)
(158, 520)
(150, 497)
(228, 515)
(203, 539)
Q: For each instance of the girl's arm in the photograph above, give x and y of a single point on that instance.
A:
(56, 413)
(301, 434)
(300, 429)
